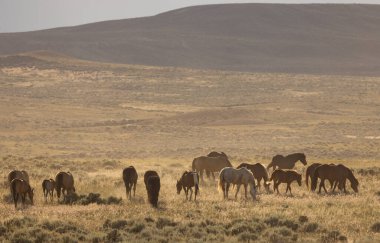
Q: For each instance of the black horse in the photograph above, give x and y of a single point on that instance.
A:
(130, 180)
(287, 162)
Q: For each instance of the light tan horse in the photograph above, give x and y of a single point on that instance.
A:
(285, 176)
(48, 187)
(20, 188)
(210, 164)
(237, 177)
(64, 182)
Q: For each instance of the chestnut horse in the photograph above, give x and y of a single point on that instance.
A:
(285, 176)
(210, 164)
(20, 188)
(48, 187)
(64, 182)
(187, 181)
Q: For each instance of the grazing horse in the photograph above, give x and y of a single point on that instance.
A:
(130, 180)
(152, 184)
(324, 172)
(148, 174)
(285, 176)
(187, 181)
(48, 187)
(346, 173)
(18, 174)
(310, 173)
(20, 188)
(237, 177)
(287, 162)
(64, 182)
(211, 164)
(259, 172)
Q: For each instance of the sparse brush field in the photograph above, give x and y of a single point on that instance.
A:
(95, 119)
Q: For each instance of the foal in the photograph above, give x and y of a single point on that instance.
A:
(48, 187)
(285, 176)
(187, 181)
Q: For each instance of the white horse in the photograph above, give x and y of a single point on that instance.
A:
(237, 177)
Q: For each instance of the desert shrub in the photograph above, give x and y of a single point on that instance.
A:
(310, 228)
(17, 223)
(149, 220)
(331, 236)
(303, 219)
(113, 236)
(3, 230)
(246, 237)
(376, 227)
(272, 221)
(137, 228)
(162, 222)
(117, 224)
(90, 198)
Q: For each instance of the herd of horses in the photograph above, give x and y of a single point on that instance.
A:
(248, 175)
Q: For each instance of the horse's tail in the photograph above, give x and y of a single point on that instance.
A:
(221, 181)
(314, 179)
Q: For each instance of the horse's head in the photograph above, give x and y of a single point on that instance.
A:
(354, 185)
(303, 159)
(179, 187)
(31, 195)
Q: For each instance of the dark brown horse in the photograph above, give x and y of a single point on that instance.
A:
(130, 180)
(310, 173)
(187, 181)
(48, 187)
(21, 188)
(153, 185)
(64, 183)
(285, 176)
(287, 162)
(211, 164)
(259, 172)
(344, 174)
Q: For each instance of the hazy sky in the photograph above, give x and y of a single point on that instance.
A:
(25, 15)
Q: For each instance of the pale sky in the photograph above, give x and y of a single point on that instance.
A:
(26, 15)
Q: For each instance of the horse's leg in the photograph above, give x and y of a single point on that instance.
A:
(287, 188)
(15, 199)
(191, 193)
(23, 199)
(213, 175)
(324, 187)
(259, 184)
(134, 188)
(237, 191)
(335, 183)
(51, 195)
(227, 188)
(290, 189)
(245, 190)
(320, 186)
(186, 191)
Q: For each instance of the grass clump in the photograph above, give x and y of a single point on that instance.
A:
(376, 227)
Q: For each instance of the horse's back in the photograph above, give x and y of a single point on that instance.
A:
(17, 174)
(65, 179)
(148, 174)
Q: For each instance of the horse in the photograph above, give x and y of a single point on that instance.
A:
(285, 176)
(215, 154)
(20, 188)
(18, 174)
(310, 173)
(152, 184)
(187, 181)
(149, 173)
(211, 164)
(48, 187)
(259, 172)
(346, 173)
(64, 181)
(287, 162)
(237, 177)
(130, 180)
(324, 172)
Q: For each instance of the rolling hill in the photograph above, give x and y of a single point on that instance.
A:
(312, 38)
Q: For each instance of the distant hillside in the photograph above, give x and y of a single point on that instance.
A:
(313, 38)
